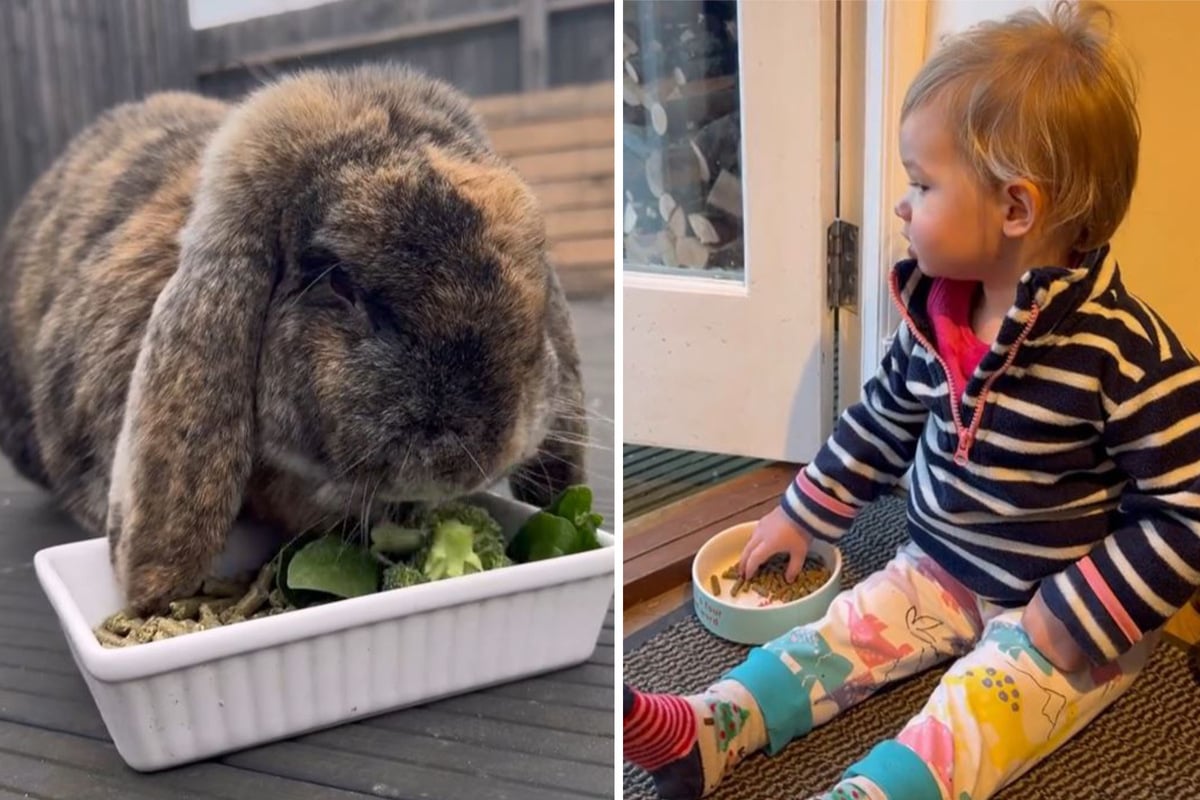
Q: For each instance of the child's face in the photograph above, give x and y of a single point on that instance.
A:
(953, 225)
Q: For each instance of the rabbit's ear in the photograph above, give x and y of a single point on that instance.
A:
(186, 446)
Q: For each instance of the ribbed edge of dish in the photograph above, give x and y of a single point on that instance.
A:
(281, 691)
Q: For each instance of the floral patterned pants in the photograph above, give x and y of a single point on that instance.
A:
(999, 710)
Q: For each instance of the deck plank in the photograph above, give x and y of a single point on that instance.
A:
(98, 757)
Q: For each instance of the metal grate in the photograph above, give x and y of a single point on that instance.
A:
(655, 476)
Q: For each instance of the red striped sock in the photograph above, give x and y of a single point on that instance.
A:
(659, 729)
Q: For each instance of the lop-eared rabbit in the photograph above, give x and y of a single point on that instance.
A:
(329, 297)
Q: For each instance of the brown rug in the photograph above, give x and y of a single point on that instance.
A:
(1145, 747)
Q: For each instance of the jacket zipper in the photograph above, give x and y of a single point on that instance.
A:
(966, 436)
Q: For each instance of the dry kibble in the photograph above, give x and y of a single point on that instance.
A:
(769, 582)
(256, 597)
(231, 616)
(121, 623)
(715, 582)
(110, 639)
(171, 627)
(220, 602)
(209, 618)
(146, 631)
(189, 607)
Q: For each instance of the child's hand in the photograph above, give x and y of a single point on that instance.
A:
(1051, 637)
(776, 533)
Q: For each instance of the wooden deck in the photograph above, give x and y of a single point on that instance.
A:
(544, 738)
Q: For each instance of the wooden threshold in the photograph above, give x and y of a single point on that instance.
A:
(647, 612)
(658, 547)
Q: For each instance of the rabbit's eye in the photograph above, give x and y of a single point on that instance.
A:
(339, 281)
(315, 262)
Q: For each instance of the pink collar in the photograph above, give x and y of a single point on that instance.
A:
(949, 308)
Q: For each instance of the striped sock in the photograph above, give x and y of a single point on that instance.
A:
(687, 744)
(659, 729)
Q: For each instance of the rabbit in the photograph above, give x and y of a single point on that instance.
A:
(331, 293)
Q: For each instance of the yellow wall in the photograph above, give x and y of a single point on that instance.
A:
(1157, 246)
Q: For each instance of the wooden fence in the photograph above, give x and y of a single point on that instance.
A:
(62, 62)
(561, 141)
(470, 43)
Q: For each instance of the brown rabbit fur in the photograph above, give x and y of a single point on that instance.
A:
(329, 294)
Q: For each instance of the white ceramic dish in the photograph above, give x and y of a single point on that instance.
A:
(745, 619)
(198, 695)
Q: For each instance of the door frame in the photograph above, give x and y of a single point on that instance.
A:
(896, 42)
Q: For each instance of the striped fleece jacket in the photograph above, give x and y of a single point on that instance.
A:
(1070, 461)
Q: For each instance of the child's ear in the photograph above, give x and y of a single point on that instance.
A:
(1021, 202)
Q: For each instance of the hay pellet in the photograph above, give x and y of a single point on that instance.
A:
(171, 627)
(245, 608)
(770, 581)
(277, 600)
(715, 583)
(121, 623)
(256, 596)
(189, 607)
(146, 631)
(109, 639)
(209, 617)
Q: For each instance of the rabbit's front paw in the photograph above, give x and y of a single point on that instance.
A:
(150, 587)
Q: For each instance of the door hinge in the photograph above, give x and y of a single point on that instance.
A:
(841, 263)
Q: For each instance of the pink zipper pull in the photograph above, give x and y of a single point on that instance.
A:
(966, 438)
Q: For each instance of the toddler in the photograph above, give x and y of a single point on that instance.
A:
(1051, 421)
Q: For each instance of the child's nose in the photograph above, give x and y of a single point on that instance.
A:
(903, 209)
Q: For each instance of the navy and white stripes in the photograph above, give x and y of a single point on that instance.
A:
(1081, 475)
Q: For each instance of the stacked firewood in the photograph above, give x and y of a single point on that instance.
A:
(682, 135)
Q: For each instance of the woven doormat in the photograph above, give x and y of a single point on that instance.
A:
(1144, 747)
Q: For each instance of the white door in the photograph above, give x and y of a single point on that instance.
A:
(728, 336)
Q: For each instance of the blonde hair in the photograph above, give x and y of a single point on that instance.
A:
(1050, 97)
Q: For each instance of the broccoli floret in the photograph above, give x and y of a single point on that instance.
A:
(490, 548)
(462, 539)
(403, 574)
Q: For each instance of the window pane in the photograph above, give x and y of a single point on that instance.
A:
(682, 139)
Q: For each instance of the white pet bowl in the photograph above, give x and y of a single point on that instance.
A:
(744, 619)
